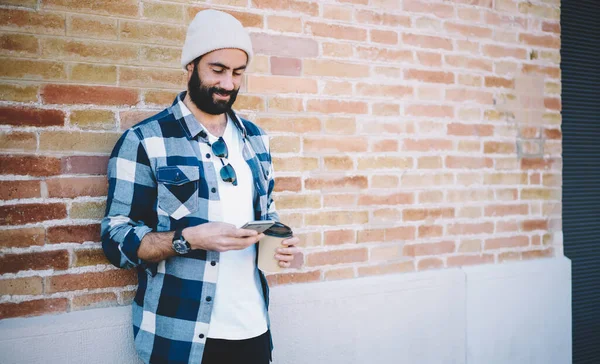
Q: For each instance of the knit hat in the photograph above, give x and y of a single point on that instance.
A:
(211, 30)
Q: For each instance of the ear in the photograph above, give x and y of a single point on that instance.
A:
(190, 69)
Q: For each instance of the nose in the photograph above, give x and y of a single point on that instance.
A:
(227, 82)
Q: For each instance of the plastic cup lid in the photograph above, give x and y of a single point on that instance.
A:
(279, 230)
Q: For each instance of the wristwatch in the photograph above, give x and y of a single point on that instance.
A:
(179, 244)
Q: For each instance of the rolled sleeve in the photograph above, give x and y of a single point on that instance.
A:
(130, 178)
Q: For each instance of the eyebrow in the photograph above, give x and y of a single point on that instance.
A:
(217, 64)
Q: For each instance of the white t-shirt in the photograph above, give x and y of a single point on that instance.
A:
(239, 310)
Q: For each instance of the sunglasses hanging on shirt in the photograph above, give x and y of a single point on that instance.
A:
(219, 149)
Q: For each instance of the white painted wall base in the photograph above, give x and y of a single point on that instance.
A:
(510, 313)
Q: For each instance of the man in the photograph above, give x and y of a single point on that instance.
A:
(180, 185)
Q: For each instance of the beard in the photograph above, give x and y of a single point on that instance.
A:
(203, 96)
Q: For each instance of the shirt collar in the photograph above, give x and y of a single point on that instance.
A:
(192, 127)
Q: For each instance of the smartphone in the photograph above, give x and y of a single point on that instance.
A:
(258, 226)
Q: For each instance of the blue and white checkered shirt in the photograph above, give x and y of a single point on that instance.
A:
(160, 179)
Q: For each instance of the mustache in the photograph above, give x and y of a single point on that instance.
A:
(221, 91)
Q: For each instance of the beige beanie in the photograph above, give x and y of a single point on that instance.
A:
(211, 30)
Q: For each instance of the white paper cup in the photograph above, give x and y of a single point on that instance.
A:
(268, 245)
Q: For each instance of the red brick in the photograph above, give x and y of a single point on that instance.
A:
(469, 30)
(430, 263)
(19, 44)
(335, 106)
(461, 260)
(382, 18)
(551, 27)
(300, 277)
(377, 54)
(73, 234)
(470, 129)
(501, 52)
(379, 90)
(108, 7)
(288, 184)
(11, 190)
(130, 118)
(429, 59)
(24, 116)
(469, 63)
(427, 214)
(426, 145)
(553, 72)
(506, 210)
(552, 103)
(430, 231)
(401, 267)
(33, 308)
(499, 82)
(401, 233)
(337, 257)
(429, 76)
(499, 148)
(335, 31)
(468, 162)
(538, 163)
(98, 95)
(94, 300)
(350, 182)
(553, 133)
(367, 236)
(534, 254)
(84, 164)
(288, 5)
(286, 66)
(547, 41)
(462, 95)
(532, 225)
(337, 237)
(425, 7)
(510, 242)
(285, 46)
(429, 110)
(29, 213)
(76, 187)
(22, 238)
(55, 259)
(336, 218)
(414, 250)
(393, 199)
(474, 228)
(427, 41)
(341, 273)
(21, 286)
(279, 85)
(384, 36)
(33, 21)
(74, 282)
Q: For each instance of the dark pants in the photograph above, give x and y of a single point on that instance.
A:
(256, 350)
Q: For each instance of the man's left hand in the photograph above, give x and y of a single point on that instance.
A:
(285, 253)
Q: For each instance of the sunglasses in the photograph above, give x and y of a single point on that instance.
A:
(219, 149)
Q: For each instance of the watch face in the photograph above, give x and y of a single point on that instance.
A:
(180, 246)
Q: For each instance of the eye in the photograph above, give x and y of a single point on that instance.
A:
(218, 70)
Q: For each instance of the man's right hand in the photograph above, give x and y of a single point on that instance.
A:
(220, 237)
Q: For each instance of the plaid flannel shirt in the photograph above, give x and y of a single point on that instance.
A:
(161, 178)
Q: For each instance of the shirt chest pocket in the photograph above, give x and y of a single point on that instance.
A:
(178, 190)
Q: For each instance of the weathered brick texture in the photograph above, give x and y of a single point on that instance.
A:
(406, 135)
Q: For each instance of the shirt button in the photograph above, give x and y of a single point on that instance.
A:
(207, 155)
(213, 190)
(201, 336)
(213, 263)
(208, 299)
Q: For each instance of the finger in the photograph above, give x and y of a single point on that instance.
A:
(284, 264)
(290, 250)
(284, 258)
(291, 241)
(242, 233)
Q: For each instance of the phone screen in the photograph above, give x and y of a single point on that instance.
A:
(258, 226)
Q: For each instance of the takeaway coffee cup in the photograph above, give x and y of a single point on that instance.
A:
(268, 245)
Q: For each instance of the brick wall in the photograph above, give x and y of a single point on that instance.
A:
(407, 135)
